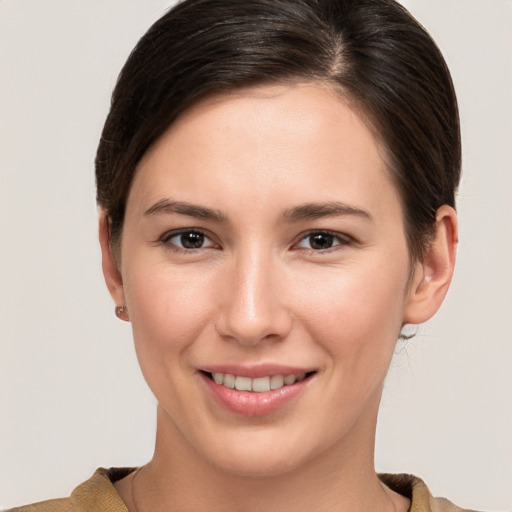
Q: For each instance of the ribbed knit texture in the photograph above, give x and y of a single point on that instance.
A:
(98, 494)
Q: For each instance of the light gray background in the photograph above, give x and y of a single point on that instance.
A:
(71, 395)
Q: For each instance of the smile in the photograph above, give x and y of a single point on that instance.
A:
(257, 385)
(258, 394)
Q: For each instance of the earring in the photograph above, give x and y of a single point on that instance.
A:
(408, 332)
(120, 312)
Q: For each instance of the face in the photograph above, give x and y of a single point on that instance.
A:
(265, 269)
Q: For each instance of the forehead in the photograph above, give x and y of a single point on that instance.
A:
(295, 109)
(303, 137)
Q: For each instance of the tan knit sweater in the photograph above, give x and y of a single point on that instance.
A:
(98, 494)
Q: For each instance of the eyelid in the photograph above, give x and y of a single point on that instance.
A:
(168, 235)
(343, 239)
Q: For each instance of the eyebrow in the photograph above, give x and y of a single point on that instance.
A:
(303, 212)
(167, 206)
(312, 211)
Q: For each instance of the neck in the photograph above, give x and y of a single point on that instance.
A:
(177, 478)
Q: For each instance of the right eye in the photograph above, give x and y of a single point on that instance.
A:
(189, 239)
(322, 241)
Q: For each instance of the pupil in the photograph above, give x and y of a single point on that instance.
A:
(192, 240)
(321, 241)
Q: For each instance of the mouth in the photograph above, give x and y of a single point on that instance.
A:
(256, 390)
(259, 384)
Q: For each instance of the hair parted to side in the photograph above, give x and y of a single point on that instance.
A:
(372, 51)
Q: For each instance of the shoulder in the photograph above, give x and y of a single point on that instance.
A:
(59, 505)
(97, 494)
(416, 490)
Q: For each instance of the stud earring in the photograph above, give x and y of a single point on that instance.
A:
(120, 312)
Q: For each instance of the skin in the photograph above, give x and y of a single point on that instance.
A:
(258, 292)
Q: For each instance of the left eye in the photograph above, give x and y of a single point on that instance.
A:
(188, 240)
(322, 240)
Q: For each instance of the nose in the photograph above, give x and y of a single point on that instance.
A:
(253, 301)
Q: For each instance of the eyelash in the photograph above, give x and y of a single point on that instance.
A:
(341, 238)
(167, 237)
(338, 240)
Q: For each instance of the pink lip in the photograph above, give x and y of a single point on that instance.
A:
(249, 403)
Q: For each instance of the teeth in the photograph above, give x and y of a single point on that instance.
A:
(243, 383)
(289, 379)
(258, 385)
(276, 381)
(261, 384)
(229, 381)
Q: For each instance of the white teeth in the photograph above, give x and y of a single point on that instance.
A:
(276, 382)
(289, 379)
(258, 385)
(261, 384)
(229, 381)
(243, 383)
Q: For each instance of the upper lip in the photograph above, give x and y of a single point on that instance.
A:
(257, 370)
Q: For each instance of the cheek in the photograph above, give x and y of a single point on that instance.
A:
(168, 311)
(357, 318)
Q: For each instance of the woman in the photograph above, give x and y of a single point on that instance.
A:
(276, 184)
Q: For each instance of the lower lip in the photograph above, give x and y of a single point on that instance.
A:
(250, 403)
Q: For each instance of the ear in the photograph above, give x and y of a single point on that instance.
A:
(432, 275)
(111, 273)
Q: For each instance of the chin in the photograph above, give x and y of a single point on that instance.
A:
(258, 456)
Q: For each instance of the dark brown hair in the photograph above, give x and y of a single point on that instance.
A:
(372, 51)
